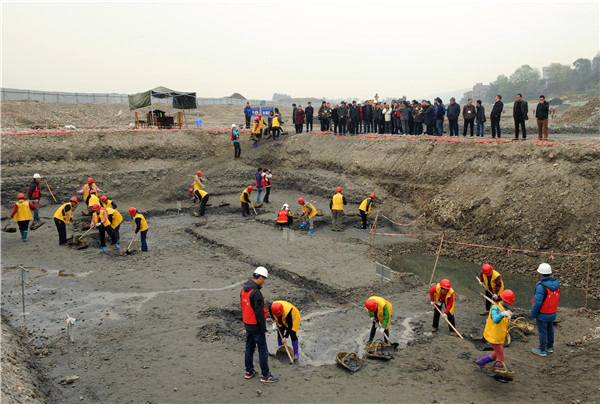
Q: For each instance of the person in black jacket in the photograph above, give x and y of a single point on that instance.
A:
(254, 315)
(355, 118)
(480, 119)
(35, 192)
(342, 117)
(520, 115)
(495, 116)
(309, 112)
(324, 117)
(428, 117)
(541, 114)
(368, 117)
(335, 118)
(453, 112)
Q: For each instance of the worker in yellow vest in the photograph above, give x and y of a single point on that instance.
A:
(87, 188)
(21, 214)
(257, 130)
(115, 218)
(496, 328)
(107, 203)
(245, 200)
(441, 295)
(336, 207)
(62, 216)
(380, 310)
(199, 194)
(309, 212)
(101, 221)
(141, 227)
(365, 210)
(92, 200)
(286, 317)
(491, 280)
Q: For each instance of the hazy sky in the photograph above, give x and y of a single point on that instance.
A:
(303, 48)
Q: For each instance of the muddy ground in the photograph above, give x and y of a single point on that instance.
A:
(165, 326)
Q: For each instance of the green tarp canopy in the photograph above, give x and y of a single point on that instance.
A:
(181, 100)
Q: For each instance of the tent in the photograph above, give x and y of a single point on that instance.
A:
(181, 100)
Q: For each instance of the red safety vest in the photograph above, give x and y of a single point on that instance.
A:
(282, 217)
(550, 305)
(36, 191)
(247, 310)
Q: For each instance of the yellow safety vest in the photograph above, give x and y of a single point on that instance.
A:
(337, 202)
(117, 218)
(86, 190)
(143, 224)
(24, 212)
(275, 122)
(287, 307)
(94, 199)
(97, 218)
(58, 214)
(245, 192)
(381, 302)
(495, 333)
(491, 283)
(313, 213)
(107, 204)
(438, 294)
(363, 206)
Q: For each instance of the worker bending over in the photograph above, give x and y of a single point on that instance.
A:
(365, 210)
(62, 216)
(284, 217)
(381, 312)
(245, 199)
(440, 295)
(286, 318)
(491, 280)
(309, 213)
(101, 220)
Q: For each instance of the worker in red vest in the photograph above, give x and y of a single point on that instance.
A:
(440, 295)
(35, 193)
(544, 307)
(254, 314)
(284, 217)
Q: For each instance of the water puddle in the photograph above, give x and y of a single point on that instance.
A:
(462, 275)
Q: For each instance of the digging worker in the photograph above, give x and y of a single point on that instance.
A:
(496, 327)
(309, 213)
(115, 219)
(21, 214)
(141, 227)
(101, 220)
(254, 314)
(544, 307)
(284, 217)
(87, 188)
(492, 281)
(286, 318)
(245, 199)
(62, 216)
(337, 210)
(107, 203)
(257, 129)
(35, 192)
(92, 200)
(381, 320)
(200, 194)
(439, 295)
(365, 210)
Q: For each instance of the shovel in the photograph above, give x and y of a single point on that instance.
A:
(128, 251)
(449, 323)
(251, 204)
(286, 347)
(80, 237)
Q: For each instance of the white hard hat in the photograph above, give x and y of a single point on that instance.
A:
(36, 176)
(262, 271)
(233, 125)
(544, 269)
(285, 206)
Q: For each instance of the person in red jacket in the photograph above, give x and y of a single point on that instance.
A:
(266, 183)
(35, 193)
(284, 217)
(299, 119)
(440, 295)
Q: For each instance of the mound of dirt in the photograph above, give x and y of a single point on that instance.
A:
(582, 114)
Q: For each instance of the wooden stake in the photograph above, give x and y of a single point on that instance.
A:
(448, 321)
(372, 235)
(50, 191)
(587, 284)
(437, 258)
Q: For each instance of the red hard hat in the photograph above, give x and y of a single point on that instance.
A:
(277, 309)
(103, 198)
(487, 269)
(508, 296)
(199, 173)
(445, 283)
(249, 188)
(338, 189)
(132, 211)
(191, 190)
(73, 199)
(95, 206)
(371, 305)
(92, 191)
(372, 196)
(300, 201)
(21, 196)
(90, 180)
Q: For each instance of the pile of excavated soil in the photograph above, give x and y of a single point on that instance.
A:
(587, 112)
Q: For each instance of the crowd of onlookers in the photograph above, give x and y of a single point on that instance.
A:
(414, 118)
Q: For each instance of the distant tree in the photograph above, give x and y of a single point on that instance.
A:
(583, 73)
(560, 79)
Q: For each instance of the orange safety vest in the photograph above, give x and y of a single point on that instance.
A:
(282, 217)
(247, 311)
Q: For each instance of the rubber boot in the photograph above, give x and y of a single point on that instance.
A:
(24, 236)
(279, 343)
(483, 361)
(295, 345)
(21, 231)
(310, 231)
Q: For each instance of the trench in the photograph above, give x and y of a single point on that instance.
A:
(462, 275)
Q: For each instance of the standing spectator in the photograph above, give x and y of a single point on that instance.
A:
(520, 115)
(480, 118)
(368, 117)
(361, 118)
(266, 182)
(355, 116)
(235, 138)
(403, 112)
(541, 114)
(269, 129)
(376, 117)
(545, 305)
(440, 111)
(428, 116)
(387, 114)
(495, 116)
(34, 192)
(469, 113)
(396, 125)
(342, 117)
(300, 114)
(453, 113)
(417, 114)
(411, 123)
(294, 110)
(258, 182)
(323, 117)
(335, 118)
(248, 114)
(328, 117)
(309, 111)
